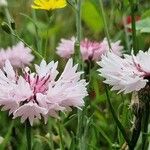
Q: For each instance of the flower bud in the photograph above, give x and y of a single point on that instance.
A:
(6, 27)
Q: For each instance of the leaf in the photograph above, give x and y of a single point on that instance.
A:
(146, 14)
(92, 17)
(7, 136)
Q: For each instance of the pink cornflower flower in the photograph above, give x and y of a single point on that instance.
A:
(18, 55)
(127, 74)
(90, 50)
(38, 94)
(115, 47)
(66, 48)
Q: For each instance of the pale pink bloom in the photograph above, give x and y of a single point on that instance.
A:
(90, 50)
(115, 47)
(66, 48)
(94, 50)
(18, 55)
(127, 74)
(39, 94)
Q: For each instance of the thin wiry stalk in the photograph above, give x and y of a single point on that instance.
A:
(120, 126)
(105, 23)
(137, 129)
(9, 20)
(61, 136)
(28, 135)
(34, 51)
(133, 23)
(78, 29)
(36, 30)
(145, 125)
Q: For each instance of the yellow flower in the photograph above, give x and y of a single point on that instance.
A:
(49, 4)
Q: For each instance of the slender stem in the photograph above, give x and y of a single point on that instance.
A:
(28, 135)
(136, 132)
(34, 51)
(45, 46)
(60, 135)
(80, 121)
(9, 20)
(7, 137)
(50, 125)
(120, 126)
(127, 40)
(78, 29)
(50, 17)
(78, 58)
(133, 23)
(105, 23)
(145, 125)
(77, 48)
(36, 29)
(103, 134)
(78, 20)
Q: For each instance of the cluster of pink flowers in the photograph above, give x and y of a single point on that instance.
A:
(18, 55)
(127, 74)
(38, 94)
(89, 50)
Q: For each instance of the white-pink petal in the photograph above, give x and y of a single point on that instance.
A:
(30, 111)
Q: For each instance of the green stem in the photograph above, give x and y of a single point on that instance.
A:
(34, 51)
(78, 20)
(120, 126)
(137, 129)
(50, 126)
(28, 135)
(133, 23)
(105, 23)
(50, 18)
(9, 20)
(145, 125)
(78, 29)
(7, 137)
(103, 134)
(78, 58)
(127, 40)
(60, 135)
(36, 29)
(79, 127)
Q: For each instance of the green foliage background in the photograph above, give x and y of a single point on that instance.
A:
(99, 131)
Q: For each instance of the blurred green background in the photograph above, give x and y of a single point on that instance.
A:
(42, 32)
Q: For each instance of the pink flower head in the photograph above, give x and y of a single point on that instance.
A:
(127, 74)
(115, 47)
(18, 55)
(66, 48)
(94, 50)
(90, 50)
(39, 94)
